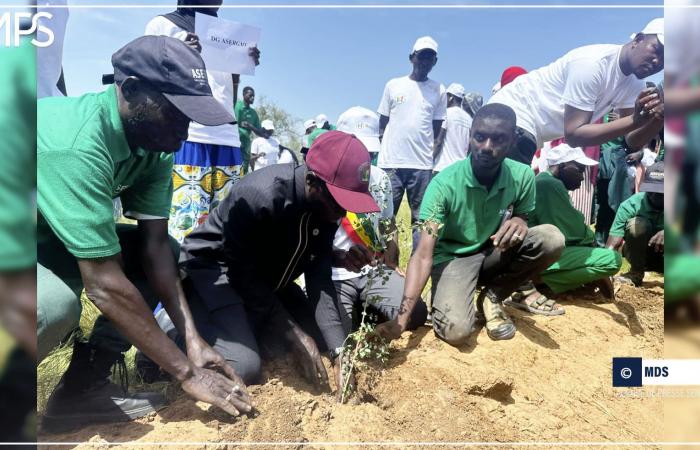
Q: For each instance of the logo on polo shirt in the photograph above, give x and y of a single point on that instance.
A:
(399, 99)
(120, 188)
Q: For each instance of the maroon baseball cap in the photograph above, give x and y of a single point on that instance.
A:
(342, 161)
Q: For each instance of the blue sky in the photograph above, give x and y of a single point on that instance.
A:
(327, 60)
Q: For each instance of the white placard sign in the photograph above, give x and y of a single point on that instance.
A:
(225, 44)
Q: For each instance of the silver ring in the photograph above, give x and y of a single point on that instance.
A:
(236, 389)
(516, 236)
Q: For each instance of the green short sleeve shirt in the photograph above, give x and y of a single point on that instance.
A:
(83, 163)
(468, 213)
(246, 114)
(553, 206)
(636, 206)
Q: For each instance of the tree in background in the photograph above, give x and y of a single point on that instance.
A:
(287, 127)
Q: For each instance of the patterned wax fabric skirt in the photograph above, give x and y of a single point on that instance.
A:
(203, 175)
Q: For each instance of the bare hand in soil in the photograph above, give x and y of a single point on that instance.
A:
(202, 355)
(308, 357)
(657, 241)
(389, 330)
(211, 387)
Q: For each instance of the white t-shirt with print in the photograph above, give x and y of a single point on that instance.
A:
(411, 106)
(221, 85)
(588, 78)
(457, 127)
(269, 149)
(380, 188)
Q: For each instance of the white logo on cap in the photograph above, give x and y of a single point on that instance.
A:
(199, 75)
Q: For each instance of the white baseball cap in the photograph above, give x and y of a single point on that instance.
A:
(364, 124)
(425, 43)
(321, 120)
(564, 153)
(656, 27)
(456, 89)
(268, 125)
(309, 123)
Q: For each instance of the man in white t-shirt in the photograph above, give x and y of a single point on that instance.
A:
(49, 60)
(210, 153)
(264, 150)
(567, 97)
(453, 141)
(411, 113)
(309, 127)
(359, 238)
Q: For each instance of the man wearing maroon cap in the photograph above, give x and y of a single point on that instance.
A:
(510, 74)
(241, 263)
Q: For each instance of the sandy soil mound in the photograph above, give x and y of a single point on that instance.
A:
(551, 383)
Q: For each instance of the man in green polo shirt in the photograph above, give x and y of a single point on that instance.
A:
(639, 225)
(248, 122)
(581, 262)
(91, 149)
(474, 215)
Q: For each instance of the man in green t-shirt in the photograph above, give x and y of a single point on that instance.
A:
(91, 149)
(474, 215)
(248, 122)
(581, 262)
(639, 225)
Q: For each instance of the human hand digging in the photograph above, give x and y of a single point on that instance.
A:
(212, 387)
(306, 354)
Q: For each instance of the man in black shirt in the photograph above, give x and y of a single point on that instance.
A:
(276, 224)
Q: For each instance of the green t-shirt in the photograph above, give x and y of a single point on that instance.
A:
(636, 206)
(83, 163)
(468, 213)
(17, 153)
(314, 134)
(246, 114)
(553, 206)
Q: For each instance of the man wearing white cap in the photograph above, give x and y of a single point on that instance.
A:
(453, 141)
(359, 238)
(566, 98)
(411, 113)
(264, 150)
(309, 126)
(322, 125)
(581, 262)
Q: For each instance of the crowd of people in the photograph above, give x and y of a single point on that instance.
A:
(227, 218)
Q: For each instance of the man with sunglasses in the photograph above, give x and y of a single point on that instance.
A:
(410, 118)
(91, 149)
(581, 262)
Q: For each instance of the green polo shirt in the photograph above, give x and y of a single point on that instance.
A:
(314, 134)
(246, 114)
(636, 206)
(468, 213)
(17, 128)
(83, 163)
(553, 206)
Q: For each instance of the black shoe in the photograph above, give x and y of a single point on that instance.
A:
(86, 396)
(149, 371)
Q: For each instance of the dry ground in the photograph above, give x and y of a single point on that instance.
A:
(551, 383)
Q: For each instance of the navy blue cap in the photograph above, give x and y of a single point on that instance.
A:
(177, 71)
